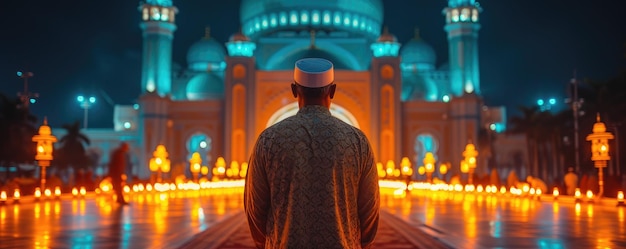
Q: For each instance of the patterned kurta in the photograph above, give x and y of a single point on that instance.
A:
(312, 183)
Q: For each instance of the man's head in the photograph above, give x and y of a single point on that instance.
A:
(313, 82)
(124, 146)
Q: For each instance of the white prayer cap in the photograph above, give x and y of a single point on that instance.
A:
(314, 72)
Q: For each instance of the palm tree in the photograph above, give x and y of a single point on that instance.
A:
(527, 125)
(17, 127)
(71, 152)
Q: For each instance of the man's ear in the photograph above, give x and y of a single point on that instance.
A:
(294, 90)
(331, 91)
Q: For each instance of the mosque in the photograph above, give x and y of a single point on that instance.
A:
(231, 90)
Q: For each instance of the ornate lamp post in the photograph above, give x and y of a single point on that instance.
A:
(220, 168)
(160, 163)
(407, 171)
(600, 150)
(195, 164)
(85, 103)
(470, 155)
(429, 165)
(44, 149)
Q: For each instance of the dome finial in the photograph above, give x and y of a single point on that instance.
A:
(416, 32)
(45, 120)
(598, 117)
(207, 32)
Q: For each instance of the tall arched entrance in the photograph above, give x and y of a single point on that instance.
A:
(291, 109)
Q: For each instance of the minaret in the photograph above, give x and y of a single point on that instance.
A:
(158, 27)
(462, 25)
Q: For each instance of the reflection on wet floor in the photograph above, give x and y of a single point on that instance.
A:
(167, 219)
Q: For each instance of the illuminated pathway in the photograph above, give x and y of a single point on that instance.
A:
(492, 221)
(213, 218)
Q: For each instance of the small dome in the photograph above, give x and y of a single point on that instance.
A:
(387, 37)
(239, 36)
(418, 53)
(205, 86)
(206, 54)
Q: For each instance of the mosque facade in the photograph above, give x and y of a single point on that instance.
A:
(231, 90)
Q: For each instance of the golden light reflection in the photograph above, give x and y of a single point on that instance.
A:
(3, 215)
(590, 211)
(622, 222)
(57, 209)
(555, 208)
(577, 209)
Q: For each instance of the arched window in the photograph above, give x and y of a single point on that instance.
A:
(424, 143)
(203, 144)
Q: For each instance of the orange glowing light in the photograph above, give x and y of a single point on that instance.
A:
(3, 196)
(37, 193)
(577, 194)
(47, 192)
(555, 192)
(74, 191)
(620, 196)
(83, 191)
(57, 191)
(16, 194)
(589, 194)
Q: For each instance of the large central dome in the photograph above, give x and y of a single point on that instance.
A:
(259, 17)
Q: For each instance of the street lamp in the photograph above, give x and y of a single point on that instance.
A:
(195, 164)
(44, 149)
(429, 165)
(470, 155)
(159, 163)
(220, 168)
(407, 171)
(600, 150)
(85, 103)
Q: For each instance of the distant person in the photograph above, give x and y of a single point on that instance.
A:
(537, 184)
(312, 180)
(117, 167)
(571, 181)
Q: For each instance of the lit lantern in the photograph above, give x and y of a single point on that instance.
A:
(577, 194)
(195, 165)
(57, 192)
(470, 155)
(16, 195)
(244, 170)
(620, 198)
(555, 193)
(381, 171)
(44, 140)
(234, 169)
(37, 193)
(159, 163)
(390, 168)
(429, 165)
(220, 168)
(600, 150)
(407, 170)
(3, 197)
(443, 168)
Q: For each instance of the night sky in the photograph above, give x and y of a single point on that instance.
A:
(528, 49)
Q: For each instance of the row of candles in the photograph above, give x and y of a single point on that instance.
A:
(525, 191)
(106, 187)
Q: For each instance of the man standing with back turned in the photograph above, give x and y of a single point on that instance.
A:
(312, 181)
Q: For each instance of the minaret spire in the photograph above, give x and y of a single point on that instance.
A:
(158, 27)
(462, 25)
(207, 32)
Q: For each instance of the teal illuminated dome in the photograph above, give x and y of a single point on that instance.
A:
(205, 86)
(417, 55)
(261, 17)
(206, 54)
